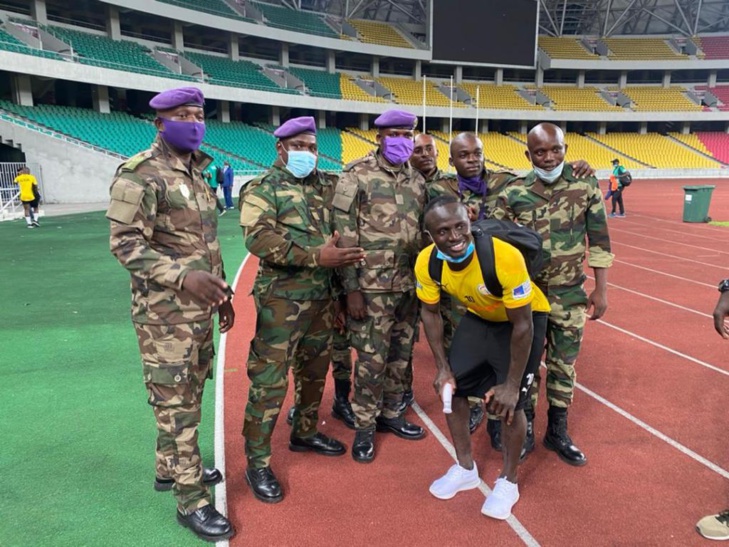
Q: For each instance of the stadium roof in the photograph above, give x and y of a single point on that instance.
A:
(559, 17)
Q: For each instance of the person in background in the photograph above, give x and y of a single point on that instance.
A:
(616, 188)
(213, 183)
(29, 196)
(716, 526)
(228, 180)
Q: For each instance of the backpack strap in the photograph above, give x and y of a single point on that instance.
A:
(435, 267)
(485, 253)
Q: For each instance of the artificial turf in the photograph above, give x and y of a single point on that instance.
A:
(77, 452)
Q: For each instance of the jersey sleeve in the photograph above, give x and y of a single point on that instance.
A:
(428, 291)
(513, 276)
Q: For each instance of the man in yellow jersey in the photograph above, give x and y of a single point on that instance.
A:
(29, 196)
(495, 350)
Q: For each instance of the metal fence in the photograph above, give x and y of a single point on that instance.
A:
(10, 205)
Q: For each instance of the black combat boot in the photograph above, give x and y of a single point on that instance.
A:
(211, 477)
(475, 416)
(341, 408)
(528, 447)
(558, 440)
(264, 484)
(363, 448)
(207, 524)
(493, 427)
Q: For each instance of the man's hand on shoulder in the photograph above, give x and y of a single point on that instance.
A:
(582, 169)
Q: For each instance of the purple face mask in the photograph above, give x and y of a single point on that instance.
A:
(397, 150)
(183, 136)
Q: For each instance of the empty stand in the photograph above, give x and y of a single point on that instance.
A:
(714, 47)
(101, 51)
(656, 150)
(717, 144)
(352, 92)
(565, 48)
(374, 32)
(213, 7)
(498, 96)
(505, 150)
(296, 20)
(408, 91)
(639, 49)
(224, 71)
(8, 42)
(670, 99)
(720, 92)
(319, 83)
(573, 98)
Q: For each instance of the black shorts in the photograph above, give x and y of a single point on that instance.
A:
(33, 204)
(480, 355)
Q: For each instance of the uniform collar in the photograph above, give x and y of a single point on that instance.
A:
(199, 160)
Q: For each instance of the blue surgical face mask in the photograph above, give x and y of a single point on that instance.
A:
(443, 256)
(301, 163)
(549, 176)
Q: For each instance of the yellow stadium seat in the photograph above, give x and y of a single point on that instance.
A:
(642, 49)
(656, 98)
(574, 98)
(564, 48)
(373, 32)
(409, 91)
(656, 150)
(497, 96)
(352, 92)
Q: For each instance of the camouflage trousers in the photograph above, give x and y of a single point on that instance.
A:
(176, 361)
(294, 334)
(564, 337)
(384, 343)
(341, 356)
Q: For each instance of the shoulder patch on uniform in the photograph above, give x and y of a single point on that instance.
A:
(135, 161)
(352, 164)
(344, 195)
(126, 196)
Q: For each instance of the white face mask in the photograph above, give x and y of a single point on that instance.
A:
(549, 176)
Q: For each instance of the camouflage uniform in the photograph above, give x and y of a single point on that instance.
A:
(380, 208)
(164, 225)
(285, 222)
(342, 356)
(567, 213)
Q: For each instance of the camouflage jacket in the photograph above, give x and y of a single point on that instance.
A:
(570, 215)
(447, 184)
(164, 225)
(380, 209)
(286, 220)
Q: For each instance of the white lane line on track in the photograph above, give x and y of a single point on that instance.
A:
(668, 303)
(671, 256)
(512, 521)
(643, 236)
(221, 492)
(683, 232)
(705, 227)
(664, 348)
(653, 431)
(713, 286)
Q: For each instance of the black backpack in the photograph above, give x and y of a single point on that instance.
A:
(219, 176)
(625, 179)
(526, 240)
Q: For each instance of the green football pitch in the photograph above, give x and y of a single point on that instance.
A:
(78, 438)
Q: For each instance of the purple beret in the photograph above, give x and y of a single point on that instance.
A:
(172, 98)
(397, 118)
(296, 126)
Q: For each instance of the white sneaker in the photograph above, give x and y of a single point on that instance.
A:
(457, 479)
(503, 497)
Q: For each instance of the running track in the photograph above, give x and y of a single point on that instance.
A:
(650, 413)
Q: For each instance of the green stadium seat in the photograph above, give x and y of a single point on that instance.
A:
(213, 7)
(295, 20)
(224, 71)
(8, 42)
(318, 82)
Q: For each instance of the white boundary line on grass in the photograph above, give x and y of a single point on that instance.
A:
(221, 491)
(512, 521)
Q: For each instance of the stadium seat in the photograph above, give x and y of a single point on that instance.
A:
(295, 20)
(581, 99)
(716, 143)
(409, 91)
(374, 32)
(656, 98)
(721, 92)
(8, 42)
(224, 71)
(498, 96)
(642, 49)
(213, 7)
(565, 48)
(656, 150)
(101, 51)
(319, 83)
(714, 47)
(352, 92)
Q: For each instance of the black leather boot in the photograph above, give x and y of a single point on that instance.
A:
(341, 408)
(400, 427)
(558, 440)
(264, 484)
(363, 448)
(475, 416)
(207, 524)
(493, 427)
(211, 477)
(529, 445)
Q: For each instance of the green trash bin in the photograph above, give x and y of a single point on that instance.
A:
(696, 203)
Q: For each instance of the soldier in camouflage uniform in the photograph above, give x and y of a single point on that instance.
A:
(378, 205)
(285, 214)
(570, 214)
(164, 231)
